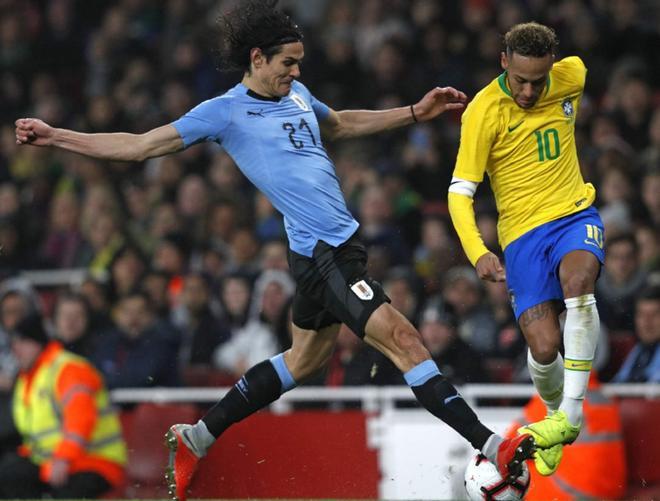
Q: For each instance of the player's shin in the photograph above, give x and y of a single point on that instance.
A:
(260, 386)
(580, 339)
(442, 400)
(548, 380)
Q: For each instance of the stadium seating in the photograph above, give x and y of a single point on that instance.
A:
(144, 429)
(642, 436)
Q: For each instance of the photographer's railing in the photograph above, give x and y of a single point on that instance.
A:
(370, 398)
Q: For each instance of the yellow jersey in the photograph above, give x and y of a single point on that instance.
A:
(529, 154)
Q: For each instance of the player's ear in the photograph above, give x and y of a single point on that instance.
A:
(256, 57)
(504, 61)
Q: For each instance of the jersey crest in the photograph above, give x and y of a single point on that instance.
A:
(567, 106)
(362, 290)
(299, 101)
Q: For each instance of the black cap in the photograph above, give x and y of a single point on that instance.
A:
(31, 327)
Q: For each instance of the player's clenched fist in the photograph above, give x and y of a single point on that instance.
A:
(33, 131)
(489, 268)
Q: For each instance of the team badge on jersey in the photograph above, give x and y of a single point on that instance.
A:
(362, 290)
(299, 101)
(567, 106)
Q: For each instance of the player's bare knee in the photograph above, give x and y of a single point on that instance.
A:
(578, 283)
(543, 351)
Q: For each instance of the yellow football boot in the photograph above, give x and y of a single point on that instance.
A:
(553, 430)
(547, 460)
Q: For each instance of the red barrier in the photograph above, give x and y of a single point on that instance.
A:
(299, 455)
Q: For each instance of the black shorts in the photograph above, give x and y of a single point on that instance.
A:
(333, 287)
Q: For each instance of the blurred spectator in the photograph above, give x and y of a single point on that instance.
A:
(377, 228)
(201, 329)
(126, 270)
(401, 288)
(155, 285)
(510, 340)
(103, 239)
(192, 205)
(72, 444)
(63, 240)
(272, 291)
(643, 363)
(651, 195)
(648, 242)
(355, 363)
(257, 339)
(650, 157)
(235, 292)
(455, 359)
(463, 291)
(269, 224)
(244, 251)
(96, 295)
(141, 351)
(620, 282)
(273, 256)
(73, 325)
(433, 256)
(13, 256)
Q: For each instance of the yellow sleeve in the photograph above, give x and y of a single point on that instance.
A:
(570, 75)
(461, 211)
(479, 126)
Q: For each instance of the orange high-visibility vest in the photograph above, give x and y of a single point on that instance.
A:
(594, 466)
(62, 410)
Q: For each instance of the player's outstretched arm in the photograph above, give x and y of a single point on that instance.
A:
(118, 146)
(353, 123)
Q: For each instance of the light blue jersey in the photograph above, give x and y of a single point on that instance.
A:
(277, 145)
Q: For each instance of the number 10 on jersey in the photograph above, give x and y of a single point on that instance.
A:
(547, 143)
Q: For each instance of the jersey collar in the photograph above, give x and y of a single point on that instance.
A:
(251, 93)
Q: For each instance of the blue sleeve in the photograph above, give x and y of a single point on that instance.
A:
(205, 122)
(321, 110)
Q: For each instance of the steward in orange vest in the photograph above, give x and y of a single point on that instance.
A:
(72, 445)
(594, 466)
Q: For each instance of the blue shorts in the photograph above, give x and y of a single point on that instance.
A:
(532, 260)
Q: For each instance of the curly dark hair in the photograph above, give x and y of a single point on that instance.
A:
(255, 23)
(530, 39)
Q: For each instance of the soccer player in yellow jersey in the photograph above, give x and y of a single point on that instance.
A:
(519, 130)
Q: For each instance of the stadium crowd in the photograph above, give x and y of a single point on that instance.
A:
(187, 278)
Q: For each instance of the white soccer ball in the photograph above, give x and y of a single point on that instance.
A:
(484, 482)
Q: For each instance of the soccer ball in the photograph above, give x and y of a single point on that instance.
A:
(484, 482)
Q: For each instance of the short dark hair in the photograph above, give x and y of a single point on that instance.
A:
(628, 238)
(254, 24)
(649, 293)
(530, 39)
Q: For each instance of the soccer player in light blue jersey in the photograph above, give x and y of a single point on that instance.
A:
(273, 127)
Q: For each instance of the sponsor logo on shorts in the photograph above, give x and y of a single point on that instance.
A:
(362, 290)
(512, 299)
